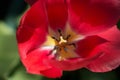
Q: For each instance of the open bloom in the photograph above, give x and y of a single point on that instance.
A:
(59, 35)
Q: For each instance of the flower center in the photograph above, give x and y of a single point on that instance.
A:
(63, 48)
(63, 42)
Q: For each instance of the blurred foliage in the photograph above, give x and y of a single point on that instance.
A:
(10, 65)
(20, 74)
(8, 49)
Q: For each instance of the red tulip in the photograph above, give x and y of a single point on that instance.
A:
(58, 35)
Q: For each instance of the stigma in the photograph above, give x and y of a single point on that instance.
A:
(62, 40)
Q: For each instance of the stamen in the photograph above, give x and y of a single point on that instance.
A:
(68, 37)
(64, 48)
(72, 44)
(58, 48)
(55, 38)
(60, 32)
(53, 51)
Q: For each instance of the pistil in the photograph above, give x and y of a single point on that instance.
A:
(64, 49)
(64, 42)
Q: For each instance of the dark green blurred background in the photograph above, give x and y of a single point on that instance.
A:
(10, 65)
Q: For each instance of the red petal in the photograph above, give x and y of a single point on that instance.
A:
(32, 30)
(85, 49)
(112, 34)
(30, 35)
(111, 52)
(36, 62)
(52, 73)
(35, 16)
(73, 64)
(91, 16)
(87, 45)
(57, 13)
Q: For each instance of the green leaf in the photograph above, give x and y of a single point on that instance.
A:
(8, 49)
(21, 74)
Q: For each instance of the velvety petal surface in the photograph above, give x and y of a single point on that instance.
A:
(31, 34)
(87, 45)
(52, 73)
(32, 30)
(93, 16)
(84, 49)
(57, 13)
(37, 63)
(73, 64)
(111, 52)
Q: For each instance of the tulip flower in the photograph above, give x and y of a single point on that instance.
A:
(59, 35)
